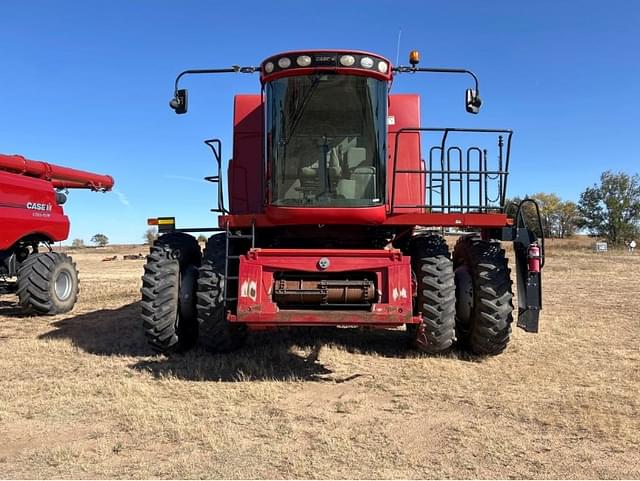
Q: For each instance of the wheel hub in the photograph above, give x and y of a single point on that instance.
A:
(63, 285)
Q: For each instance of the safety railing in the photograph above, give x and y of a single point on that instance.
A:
(459, 176)
(216, 147)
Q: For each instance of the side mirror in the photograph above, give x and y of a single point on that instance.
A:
(472, 101)
(179, 102)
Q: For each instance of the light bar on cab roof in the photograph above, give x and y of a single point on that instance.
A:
(323, 59)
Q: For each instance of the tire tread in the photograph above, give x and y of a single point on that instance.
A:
(489, 331)
(436, 292)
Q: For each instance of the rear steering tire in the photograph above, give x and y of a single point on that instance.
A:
(432, 266)
(168, 293)
(47, 283)
(217, 334)
(484, 303)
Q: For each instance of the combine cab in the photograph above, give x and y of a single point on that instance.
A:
(31, 213)
(338, 199)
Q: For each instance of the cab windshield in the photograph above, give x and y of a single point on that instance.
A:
(326, 140)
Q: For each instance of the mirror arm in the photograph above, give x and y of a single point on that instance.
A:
(406, 69)
(233, 69)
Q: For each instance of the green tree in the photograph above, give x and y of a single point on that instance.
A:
(202, 238)
(528, 213)
(549, 211)
(100, 239)
(558, 217)
(612, 208)
(568, 216)
(150, 235)
(77, 243)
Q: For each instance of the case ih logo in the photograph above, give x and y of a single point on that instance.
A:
(38, 206)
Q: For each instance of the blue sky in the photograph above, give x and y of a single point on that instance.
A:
(87, 84)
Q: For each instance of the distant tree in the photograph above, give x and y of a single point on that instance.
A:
(150, 235)
(612, 208)
(549, 211)
(77, 243)
(100, 239)
(568, 216)
(202, 238)
(558, 217)
(528, 213)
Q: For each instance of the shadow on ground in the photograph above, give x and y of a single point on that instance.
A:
(10, 309)
(287, 354)
(106, 332)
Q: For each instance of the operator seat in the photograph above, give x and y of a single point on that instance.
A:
(361, 182)
(311, 172)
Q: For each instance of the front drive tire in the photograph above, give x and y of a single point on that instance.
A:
(217, 334)
(47, 283)
(484, 299)
(433, 269)
(168, 293)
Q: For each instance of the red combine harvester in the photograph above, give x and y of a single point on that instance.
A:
(336, 214)
(31, 213)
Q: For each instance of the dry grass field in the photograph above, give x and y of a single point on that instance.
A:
(82, 396)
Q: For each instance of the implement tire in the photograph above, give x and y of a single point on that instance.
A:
(47, 283)
(217, 334)
(484, 304)
(168, 293)
(433, 270)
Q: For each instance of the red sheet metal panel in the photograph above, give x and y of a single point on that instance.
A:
(246, 172)
(326, 215)
(429, 219)
(256, 282)
(28, 207)
(450, 220)
(404, 112)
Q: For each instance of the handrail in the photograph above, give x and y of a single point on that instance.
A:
(440, 180)
(216, 147)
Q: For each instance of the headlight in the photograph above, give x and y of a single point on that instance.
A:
(268, 67)
(366, 62)
(303, 60)
(383, 67)
(284, 62)
(347, 60)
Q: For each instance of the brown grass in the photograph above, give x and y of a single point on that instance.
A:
(82, 396)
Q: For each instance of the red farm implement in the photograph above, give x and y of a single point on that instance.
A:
(31, 214)
(338, 200)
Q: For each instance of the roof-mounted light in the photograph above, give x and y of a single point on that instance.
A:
(366, 62)
(303, 60)
(284, 62)
(414, 57)
(347, 60)
(325, 60)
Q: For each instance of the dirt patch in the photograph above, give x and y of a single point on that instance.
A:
(83, 396)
